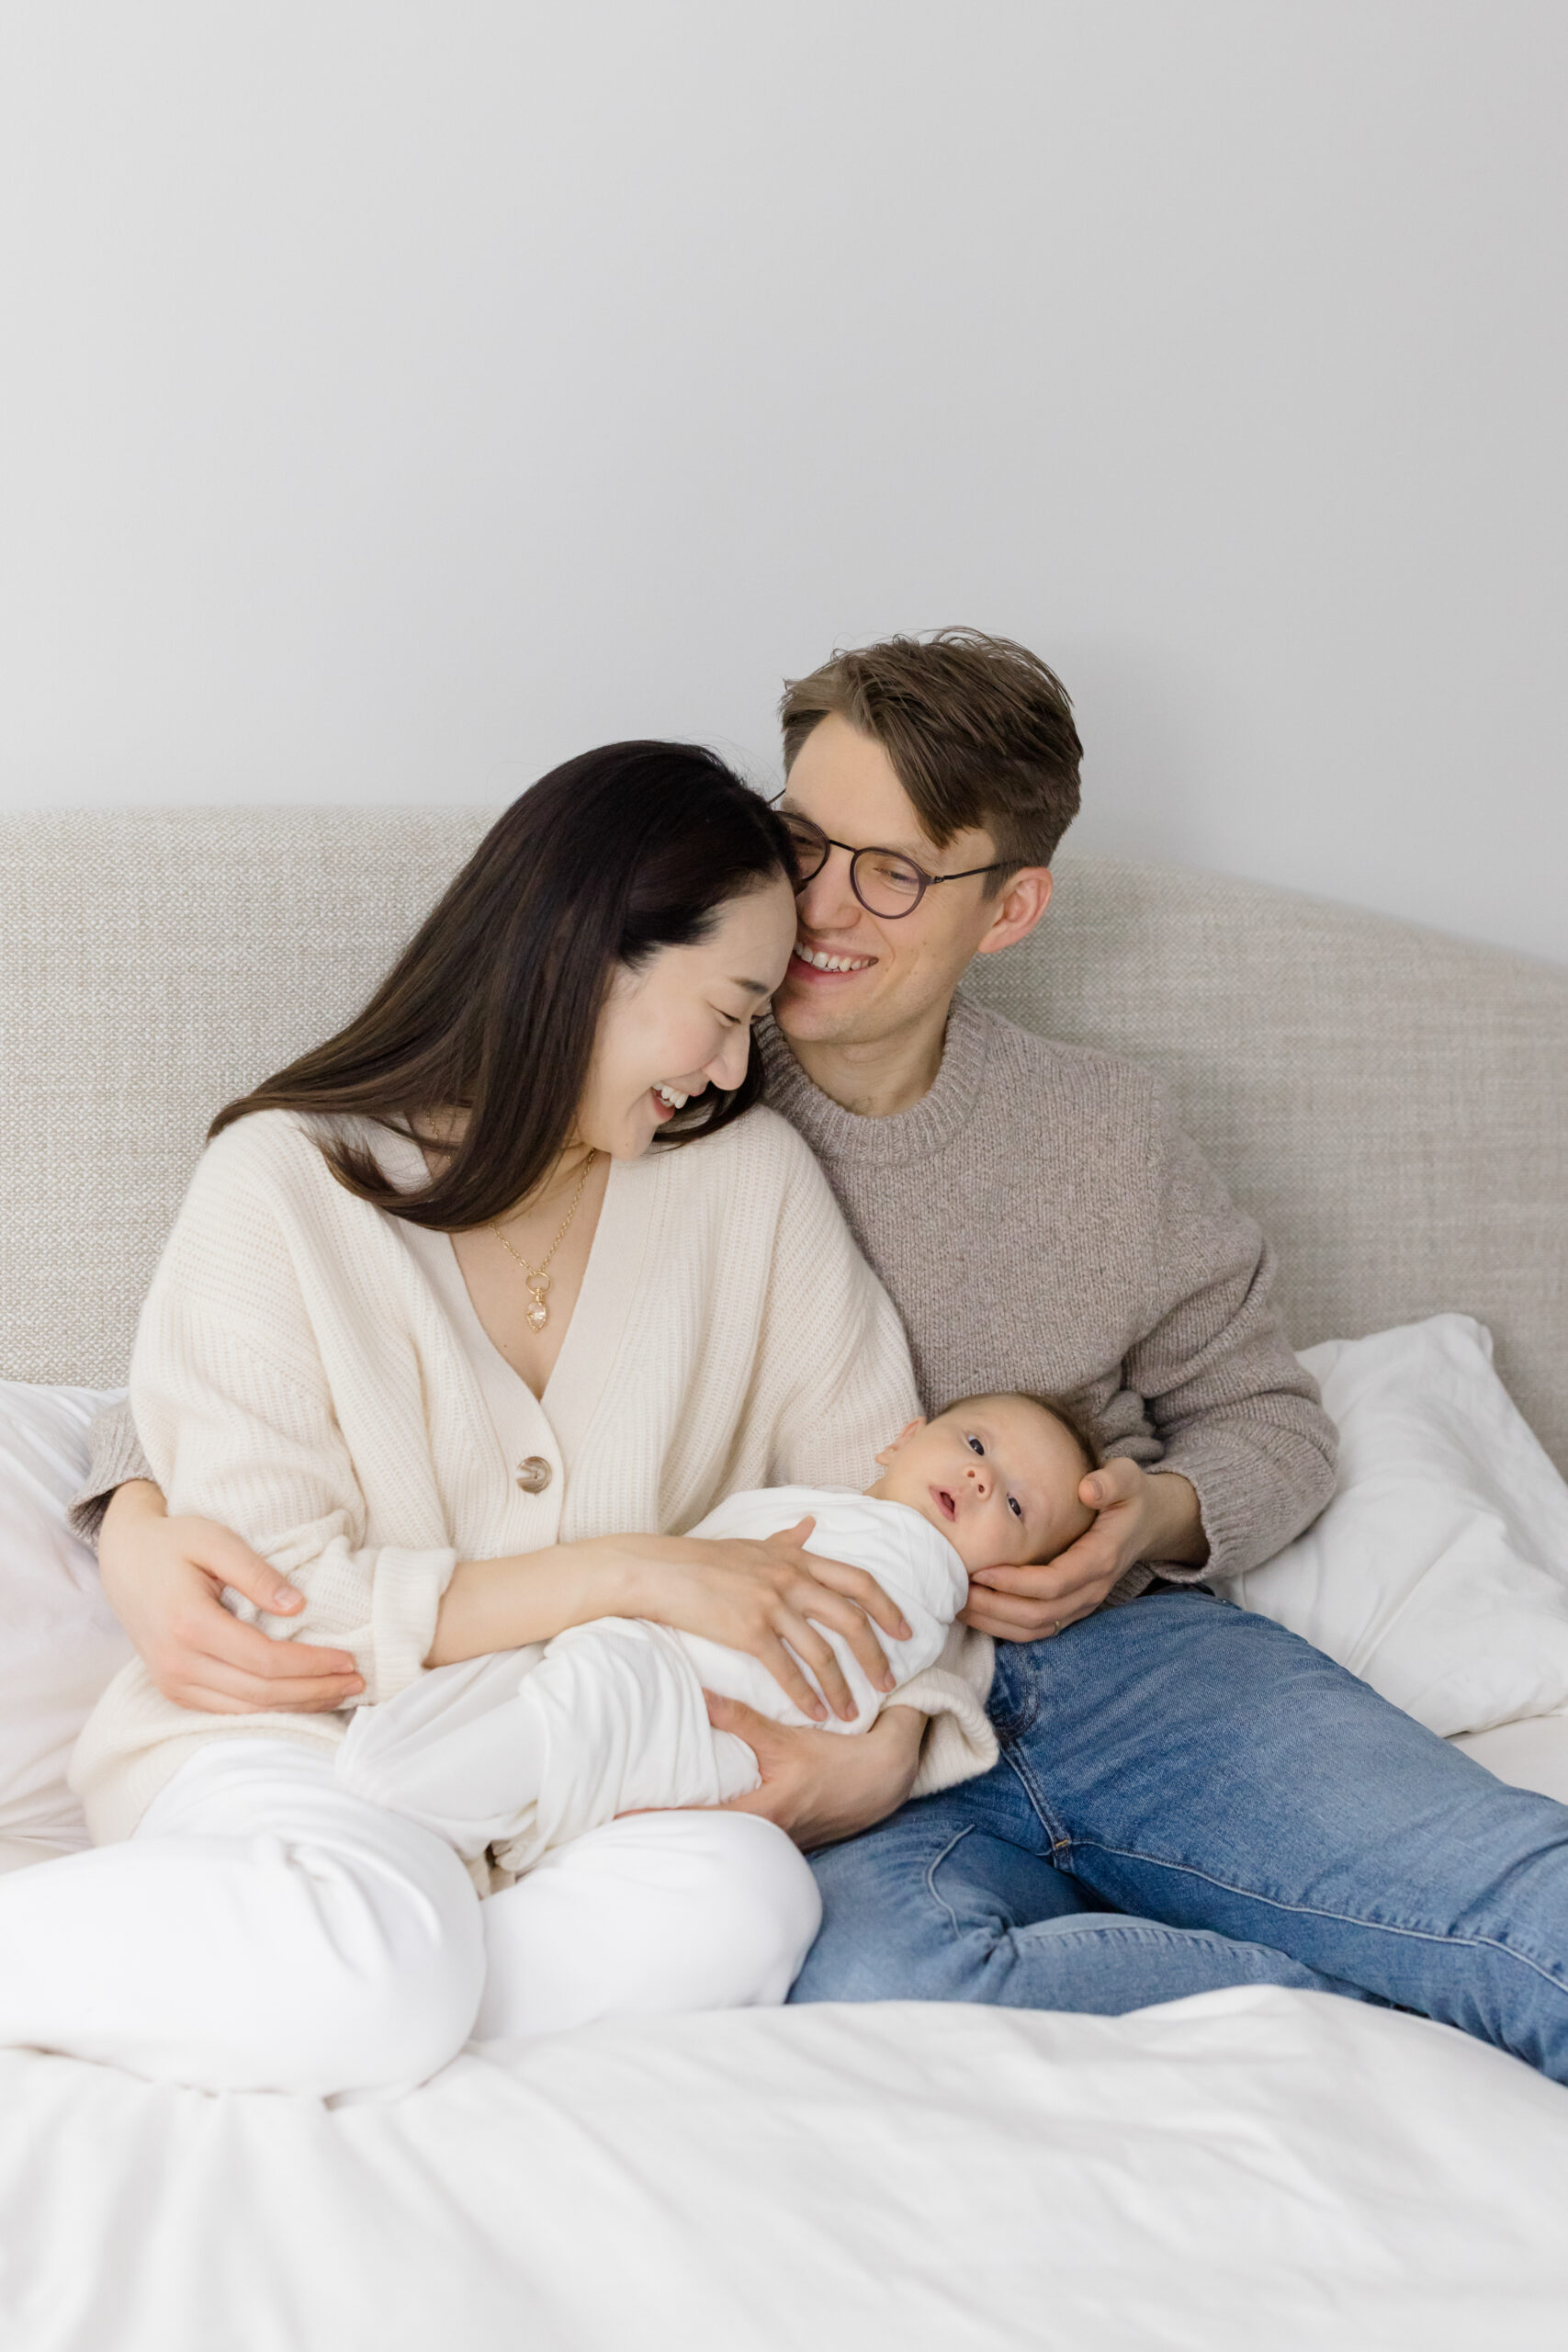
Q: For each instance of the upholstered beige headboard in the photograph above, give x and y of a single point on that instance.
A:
(1392, 1105)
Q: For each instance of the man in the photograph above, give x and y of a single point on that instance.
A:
(1186, 1795)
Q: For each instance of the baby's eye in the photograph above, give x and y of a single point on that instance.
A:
(974, 1445)
(1015, 1507)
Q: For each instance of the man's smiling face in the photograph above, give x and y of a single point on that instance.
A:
(857, 978)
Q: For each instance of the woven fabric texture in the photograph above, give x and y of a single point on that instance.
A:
(1391, 1104)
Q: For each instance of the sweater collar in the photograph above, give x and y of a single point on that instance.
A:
(927, 1126)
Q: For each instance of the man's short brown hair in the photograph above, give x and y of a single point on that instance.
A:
(978, 731)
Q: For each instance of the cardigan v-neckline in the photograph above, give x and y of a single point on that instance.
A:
(583, 1367)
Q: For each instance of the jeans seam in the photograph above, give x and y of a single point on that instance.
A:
(1033, 1789)
(1010, 1727)
(1343, 1918)
(943, 1905)
(1020, 1715)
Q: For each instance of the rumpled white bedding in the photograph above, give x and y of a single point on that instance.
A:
(1252, 2169)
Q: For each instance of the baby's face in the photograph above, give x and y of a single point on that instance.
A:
(999, 1476)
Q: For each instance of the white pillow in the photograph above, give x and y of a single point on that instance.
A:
(60, 1643)
(1440, 1571)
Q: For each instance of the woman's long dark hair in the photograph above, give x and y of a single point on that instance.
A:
(494, 1006)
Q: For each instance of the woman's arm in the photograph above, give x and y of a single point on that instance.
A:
(163, 1578)
(248, 1439)
(239, 1418)
(757, 1597)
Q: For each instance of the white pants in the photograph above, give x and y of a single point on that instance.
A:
(265, 1929)
(526, 1752)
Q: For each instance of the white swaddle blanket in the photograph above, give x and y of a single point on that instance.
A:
(528, 1748)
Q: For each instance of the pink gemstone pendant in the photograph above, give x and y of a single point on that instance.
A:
(539, 1316)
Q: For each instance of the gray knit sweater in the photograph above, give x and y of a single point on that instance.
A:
(1041, 1224)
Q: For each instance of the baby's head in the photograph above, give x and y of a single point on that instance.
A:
(999, 1476)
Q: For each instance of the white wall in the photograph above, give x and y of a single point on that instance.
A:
(401, 395)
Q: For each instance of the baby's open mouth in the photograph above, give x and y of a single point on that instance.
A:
(944, 1502)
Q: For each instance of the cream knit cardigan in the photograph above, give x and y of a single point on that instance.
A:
(296, 1377)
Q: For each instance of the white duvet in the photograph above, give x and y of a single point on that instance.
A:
(1252, 2171)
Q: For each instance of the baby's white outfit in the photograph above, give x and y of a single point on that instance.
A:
(515, 1754)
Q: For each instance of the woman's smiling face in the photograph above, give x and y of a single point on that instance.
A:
(683, 1022)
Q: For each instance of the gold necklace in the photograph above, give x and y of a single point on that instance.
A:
(537, 1277)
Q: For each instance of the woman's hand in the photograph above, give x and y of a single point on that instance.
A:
(760, 1596)
(816, 1785)
(163, 1577)
(757, 1597)
(1142, 1515)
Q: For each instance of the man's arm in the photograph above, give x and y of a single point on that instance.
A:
(1230, 1408)
(1140, 1515)
(823, 1787)
(816, 1785)
(115, 1457)
(1225, 1452)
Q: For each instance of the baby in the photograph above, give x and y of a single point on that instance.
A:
(521, 1751)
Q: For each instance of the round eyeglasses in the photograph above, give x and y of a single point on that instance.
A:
(887, 883)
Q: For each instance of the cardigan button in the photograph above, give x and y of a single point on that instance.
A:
(535, 1474)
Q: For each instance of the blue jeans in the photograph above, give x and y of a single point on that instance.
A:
(1188, 1797)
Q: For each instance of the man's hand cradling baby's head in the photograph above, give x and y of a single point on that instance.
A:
(999, 1476)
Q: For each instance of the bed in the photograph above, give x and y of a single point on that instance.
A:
(1253, 2168)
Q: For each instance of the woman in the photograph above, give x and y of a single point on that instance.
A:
(441, 1335)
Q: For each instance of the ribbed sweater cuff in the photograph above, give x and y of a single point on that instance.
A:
(405, 1600)
(1249, 1511)
(959, 1744)
(114, 1455)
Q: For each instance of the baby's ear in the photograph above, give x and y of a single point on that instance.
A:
(909, 1430)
